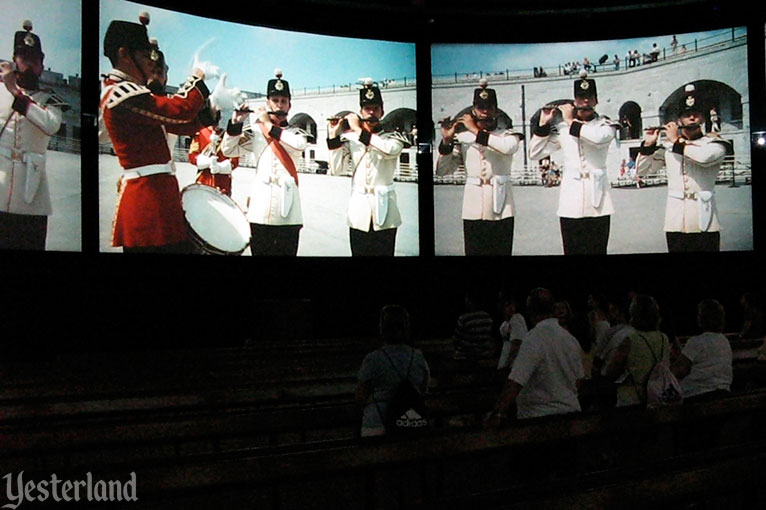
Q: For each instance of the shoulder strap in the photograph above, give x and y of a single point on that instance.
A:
(652, 350)
(280, 153)
(644, 397)
(412, 356)
(407, 375)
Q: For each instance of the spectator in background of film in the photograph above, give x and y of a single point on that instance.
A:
(616, 62)
(674, 45)
(654, 53)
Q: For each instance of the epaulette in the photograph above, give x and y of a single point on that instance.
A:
(512, 132)
(300, 131)
(123, 90)
(57, 101)
(606, 120)
(395, 135)
(190, 84)
(716, 138)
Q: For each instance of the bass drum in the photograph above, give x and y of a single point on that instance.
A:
(215, 222)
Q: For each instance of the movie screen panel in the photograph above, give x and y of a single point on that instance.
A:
(229, 139)
(601, 147)
(40, 181)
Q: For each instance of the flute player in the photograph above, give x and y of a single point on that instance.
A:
(585, 206)
(486, 151)
(274, 204)
(360, 141)
(692, 161)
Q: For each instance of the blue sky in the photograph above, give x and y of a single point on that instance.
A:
(249, 54)
(57, 22)
(466, 58)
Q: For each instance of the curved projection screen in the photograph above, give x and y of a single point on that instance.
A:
(640, 84)
(321, 88)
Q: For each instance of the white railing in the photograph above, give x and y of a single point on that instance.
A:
(61, 144)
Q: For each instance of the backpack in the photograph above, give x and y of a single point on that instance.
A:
(407, 414)
(662, 387)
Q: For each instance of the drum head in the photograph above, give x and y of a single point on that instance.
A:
(215, 220)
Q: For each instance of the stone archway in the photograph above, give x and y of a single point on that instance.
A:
(714, 94)
(307, 123)
(535, 118)
(402, 120)
(630, 120)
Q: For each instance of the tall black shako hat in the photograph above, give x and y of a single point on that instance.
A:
(277, 86)
(370, 94)
(691, 101)
(484, 97)
(125, 34)
(585, 87)
(26, 43)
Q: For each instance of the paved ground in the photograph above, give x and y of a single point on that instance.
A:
(636, 226)
(324, 200)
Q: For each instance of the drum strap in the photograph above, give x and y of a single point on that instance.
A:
(280, 153)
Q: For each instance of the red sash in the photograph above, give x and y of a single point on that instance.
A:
(280, 153)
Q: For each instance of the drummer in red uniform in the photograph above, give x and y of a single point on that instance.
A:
(149, 217)
(214, 168)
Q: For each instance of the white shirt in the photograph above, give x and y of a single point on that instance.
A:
(547, 367)
(711, 357)
(612, 339)
(514, 328)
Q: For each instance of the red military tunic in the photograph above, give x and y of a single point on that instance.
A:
(148, 211)
(199, 145)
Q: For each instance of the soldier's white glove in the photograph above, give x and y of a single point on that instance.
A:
(220, 167)
(203, 161)
(210, 70)
(226, 99)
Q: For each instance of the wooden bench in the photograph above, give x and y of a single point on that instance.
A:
(530, 460)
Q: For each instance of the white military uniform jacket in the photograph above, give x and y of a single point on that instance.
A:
(23, 183)
(692, 168)
(584, 181)
(274, 197)
(488, 194)
(373, 197)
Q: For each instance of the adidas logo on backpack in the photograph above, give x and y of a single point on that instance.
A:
(411, 419)
(407, 412)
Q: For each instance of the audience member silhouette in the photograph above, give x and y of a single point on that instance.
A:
(704, 366)
(383, 369)
(637, 354)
